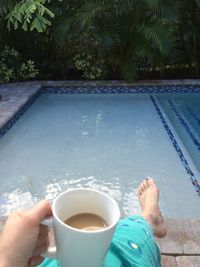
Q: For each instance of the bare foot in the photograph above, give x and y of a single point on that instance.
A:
(148, 195)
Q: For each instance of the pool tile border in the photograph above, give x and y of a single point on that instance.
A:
(122, 89)
(177, 147)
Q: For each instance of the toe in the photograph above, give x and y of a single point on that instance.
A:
(141, 188)
(150, 181)
(139, 192)
(145, 184)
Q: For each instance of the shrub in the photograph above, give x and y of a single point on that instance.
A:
(27, 70)
(92, 68)
(12, 68)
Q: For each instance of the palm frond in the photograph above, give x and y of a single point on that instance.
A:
(158, 36)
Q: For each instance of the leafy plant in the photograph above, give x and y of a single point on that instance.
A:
(130, 34)
(188, 34)
(104, 39)
(6, 73)
(29, 14)
(27, 70)
(12, 68)
(89, 58)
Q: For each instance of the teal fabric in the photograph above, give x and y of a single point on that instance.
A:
(49, 263)
(133, 245)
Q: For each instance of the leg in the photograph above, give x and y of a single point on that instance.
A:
(148, 194)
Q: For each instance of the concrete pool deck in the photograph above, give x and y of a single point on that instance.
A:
(181, 246)
(14, 97)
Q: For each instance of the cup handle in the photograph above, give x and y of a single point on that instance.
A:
(51, 251)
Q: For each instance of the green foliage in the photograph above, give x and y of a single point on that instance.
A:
(6, 73)
(30, 14)
(89, 58)
(92, 68)
(13, 69)
(188, 34)
(103, 39)
(8, 54)
(27, 70)
(130, 33)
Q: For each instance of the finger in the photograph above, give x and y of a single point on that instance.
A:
(39, 212)
(34, 261)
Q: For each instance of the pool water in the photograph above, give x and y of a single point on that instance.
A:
(109, 142)
(184, 113)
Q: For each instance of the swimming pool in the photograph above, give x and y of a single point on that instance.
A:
(108, 140)
(184, 113)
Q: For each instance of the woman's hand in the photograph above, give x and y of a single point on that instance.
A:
(23, 238)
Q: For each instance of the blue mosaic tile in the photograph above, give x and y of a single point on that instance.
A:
(121, 89)
(177, 148)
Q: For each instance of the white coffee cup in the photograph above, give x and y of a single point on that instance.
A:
(80, 248)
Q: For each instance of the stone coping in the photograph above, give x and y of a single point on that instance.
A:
(14, 97)
(181, 261)
(181, 246)
(20, 85)
(103, 83)
(121, 83)
(183, 238)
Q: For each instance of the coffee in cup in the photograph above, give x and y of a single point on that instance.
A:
(86, 222)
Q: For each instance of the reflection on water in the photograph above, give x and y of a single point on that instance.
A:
(125, 196)
(16, 200)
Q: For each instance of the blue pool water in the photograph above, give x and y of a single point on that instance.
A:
(184, 113)
(110, 142)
